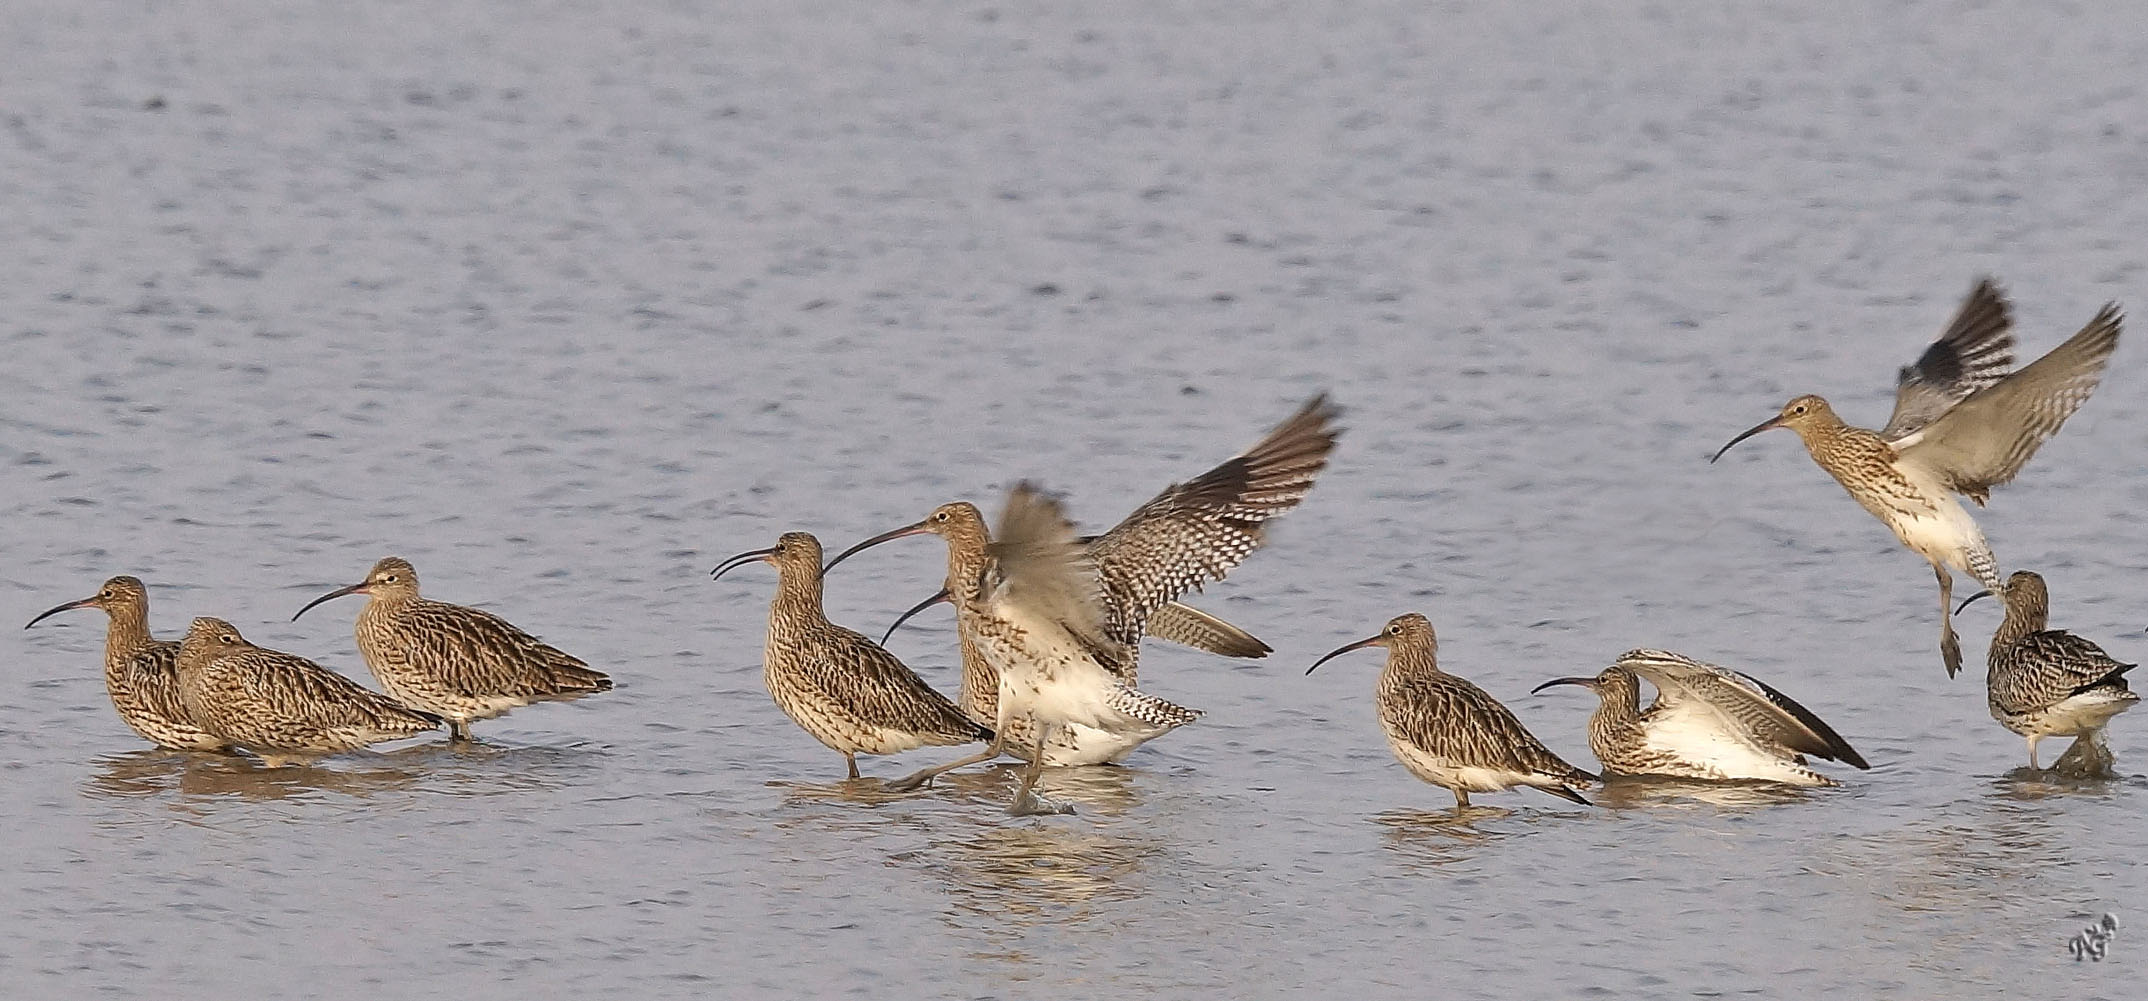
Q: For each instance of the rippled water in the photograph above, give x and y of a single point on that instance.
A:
(566, 302)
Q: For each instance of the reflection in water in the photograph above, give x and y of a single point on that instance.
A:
(1102, 790)
(469, 769)
(2029, 785)
(1031, 873)
(1439, 838)
(1645, 791)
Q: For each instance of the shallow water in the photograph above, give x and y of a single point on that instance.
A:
(566, 303)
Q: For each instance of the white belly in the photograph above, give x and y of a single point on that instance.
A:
(1716, 755)
(1448, 773)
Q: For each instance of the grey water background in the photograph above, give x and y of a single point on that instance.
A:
(567, 301)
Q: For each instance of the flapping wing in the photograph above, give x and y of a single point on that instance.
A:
(1201, 529)
(1976, 351)
(1740, 701)
(1043, 569)
(1986, 439)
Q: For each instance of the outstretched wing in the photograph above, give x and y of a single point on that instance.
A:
(1986, 439)
(1738, 701)
(1201, 529)
(1976, 351)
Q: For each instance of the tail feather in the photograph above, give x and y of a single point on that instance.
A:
(1140, 705)
(1189, 626)
(1565, 793)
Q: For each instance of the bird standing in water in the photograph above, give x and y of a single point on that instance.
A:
(1447, 731)
(141, 672)
(2042, 682)
(837, 685)
(461, 663)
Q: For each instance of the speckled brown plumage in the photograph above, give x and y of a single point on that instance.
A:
(1187, 534)
(1961, 425)
(1706, 722)
(277, 704)
(141, 672)
(2042, 682)
(836, 684)
(1448, 731)
(461, 663)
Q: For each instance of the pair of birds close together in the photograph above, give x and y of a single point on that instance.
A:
(1964, 422)
(213, 690)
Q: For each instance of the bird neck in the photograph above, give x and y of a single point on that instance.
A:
(1839, 448)
(797, 604)
(1405, 663)
(127, 634)
(2024, 615)
(1617, 717)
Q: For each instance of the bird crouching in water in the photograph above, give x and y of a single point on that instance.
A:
(1706, 722)
(1447, 731)
(1961, 425)
(461, 663)
(281, 706)
(141, 672)
(2041, 682)
(837, 685)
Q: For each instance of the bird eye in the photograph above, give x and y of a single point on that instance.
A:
(106, 593)
(939, 516)
(387, 578)
(227, 639)
(1394, 630)
(1799, 409)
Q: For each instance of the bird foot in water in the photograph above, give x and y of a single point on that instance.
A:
(910, 783)
(1029, 804)
(2089, 758)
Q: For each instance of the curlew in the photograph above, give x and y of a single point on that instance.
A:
(1961, 424)
(461, 663)
(1447, 731)
(2043, 682)
(141, 672)
(1035, 614)
(1707, 722)
(1188, 534)
(838, 686)
(281, 706)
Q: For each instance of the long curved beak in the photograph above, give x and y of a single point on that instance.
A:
(740, 560)
(358, 588)
(1380, 640)
(1767, 425)
(913, 529)
(1958, 608)
(914, 609)
(1588, 683)
(84, 603)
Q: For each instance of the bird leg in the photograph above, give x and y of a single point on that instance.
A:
(1950, 647)
(458, 731)
(851, 759)
(1461, 800)
(2033, 766)
(923, 777)
(1026, 801)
